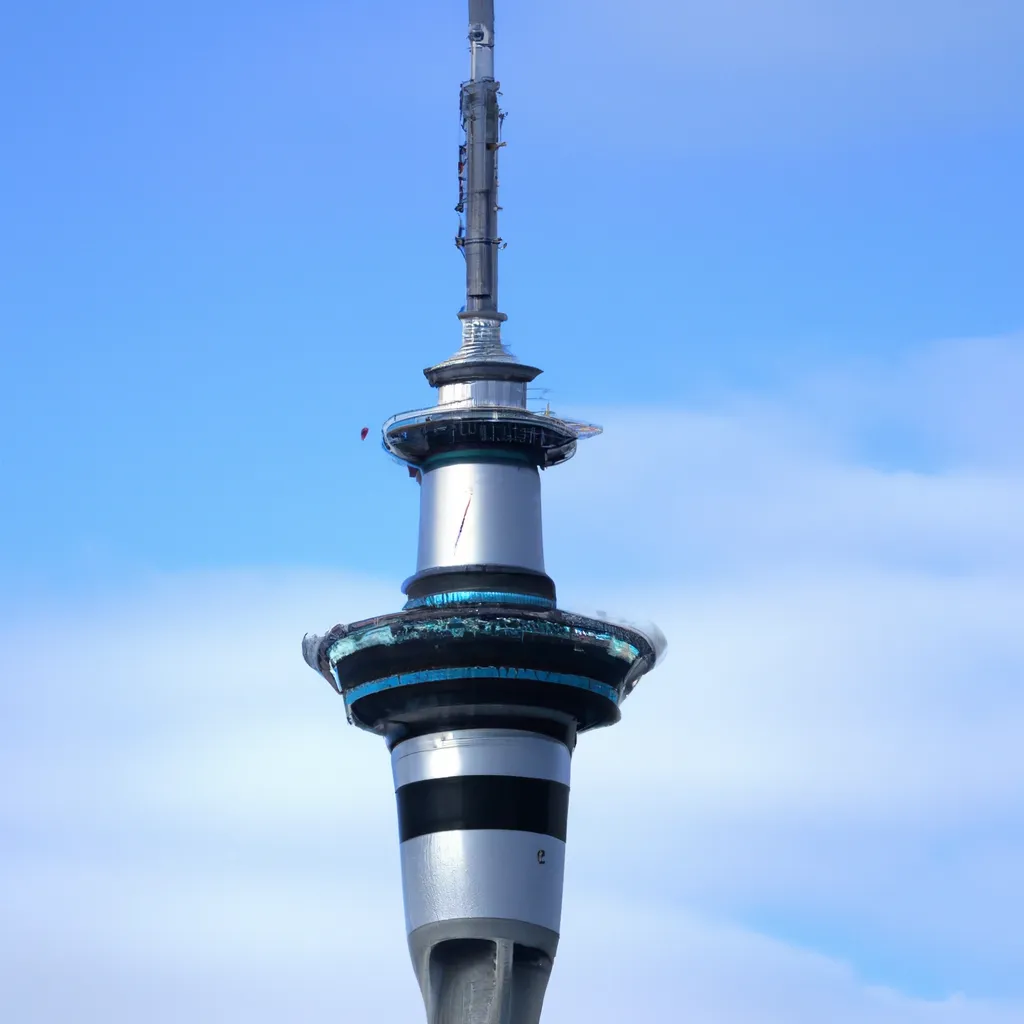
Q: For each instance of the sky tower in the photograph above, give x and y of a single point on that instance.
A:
(481, 684)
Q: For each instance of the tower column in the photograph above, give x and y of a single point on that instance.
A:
(480, 513)
(482, 817)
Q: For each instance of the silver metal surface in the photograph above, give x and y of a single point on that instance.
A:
(484, 982)
(483, 873)
(445, 755)
(481, 513)
(476, 393)
(421, 939)
(481, 39)
(481, 341)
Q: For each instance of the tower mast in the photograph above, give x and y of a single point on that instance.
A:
(481, 120)
(481, 683)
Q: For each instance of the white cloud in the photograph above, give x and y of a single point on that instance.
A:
(838, 722)
(232, 943)
(912, 465)
(718, 973)
(191, 829)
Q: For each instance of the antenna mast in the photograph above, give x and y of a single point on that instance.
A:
(481, 120)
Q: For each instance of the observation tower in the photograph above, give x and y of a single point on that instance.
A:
(481, 684)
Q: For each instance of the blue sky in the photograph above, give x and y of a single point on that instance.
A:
(773, 248)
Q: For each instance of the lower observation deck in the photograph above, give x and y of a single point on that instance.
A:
(477, 662)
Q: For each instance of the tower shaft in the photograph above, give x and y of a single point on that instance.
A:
(482, 822)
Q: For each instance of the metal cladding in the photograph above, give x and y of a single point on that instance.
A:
(482, 817)
(481, 683)
(480, 513)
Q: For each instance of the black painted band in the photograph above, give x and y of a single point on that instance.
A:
(466, 802)
(479, 577)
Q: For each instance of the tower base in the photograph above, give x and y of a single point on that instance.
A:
(475, 972)
(482, 824)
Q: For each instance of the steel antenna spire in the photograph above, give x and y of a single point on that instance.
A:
(481, 121)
